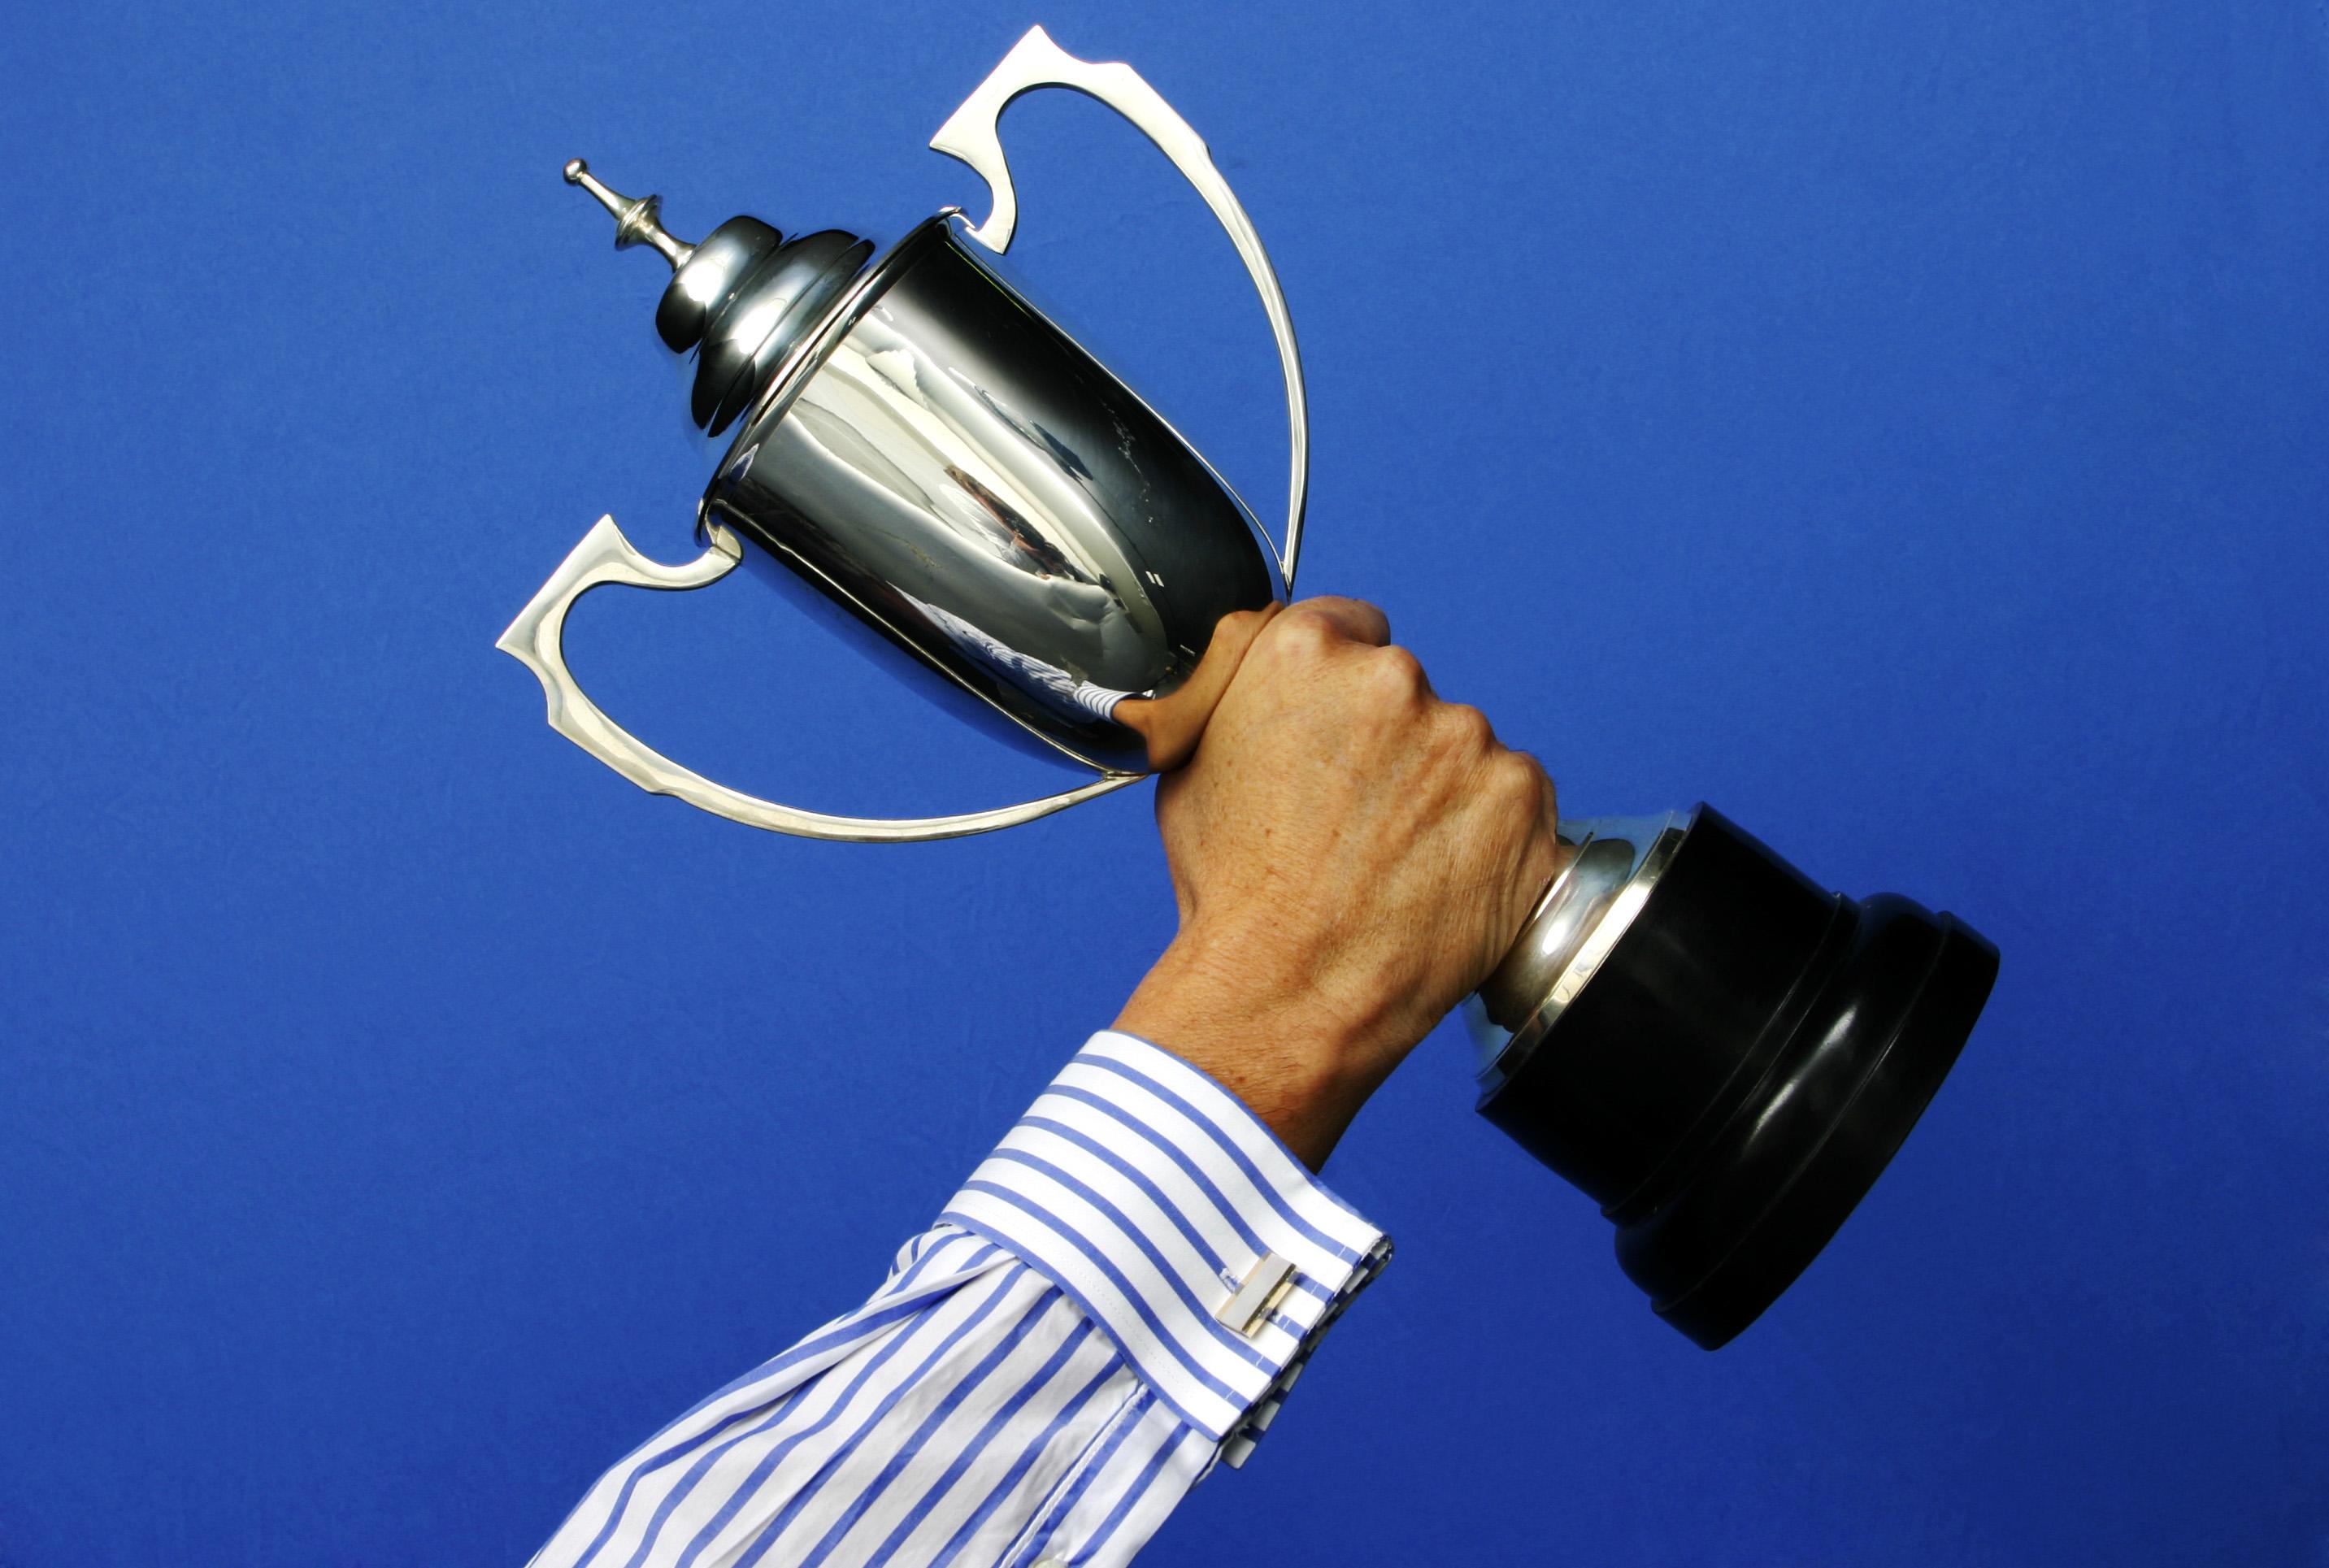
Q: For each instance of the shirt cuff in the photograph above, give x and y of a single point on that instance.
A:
(1181, 1225)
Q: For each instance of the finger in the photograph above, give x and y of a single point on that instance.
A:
(1353, 619)
(1170, 724)
(1416, 676)
(1549, 797)
(1233, 636)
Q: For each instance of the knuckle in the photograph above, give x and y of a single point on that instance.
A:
(1341, 606)
(1466, 727)
(1302, 633)
(1237, 624)
(1397, 671)
(1539, 781)
(1517, 779)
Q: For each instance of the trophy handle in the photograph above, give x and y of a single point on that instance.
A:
(537, 640)
(973, 134)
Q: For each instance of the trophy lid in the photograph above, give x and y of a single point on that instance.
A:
(741, 300)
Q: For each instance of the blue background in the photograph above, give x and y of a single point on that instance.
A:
(1904, 425)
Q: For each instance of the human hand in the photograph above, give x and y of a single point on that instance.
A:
(1170, 724)
(1351, 856)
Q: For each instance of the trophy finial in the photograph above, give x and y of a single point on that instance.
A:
(638, 220)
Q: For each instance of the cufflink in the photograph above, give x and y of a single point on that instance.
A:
(1249, 1307)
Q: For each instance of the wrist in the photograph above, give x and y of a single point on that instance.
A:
(1301, 1061)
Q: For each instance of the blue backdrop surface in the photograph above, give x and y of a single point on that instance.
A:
(1904, 425)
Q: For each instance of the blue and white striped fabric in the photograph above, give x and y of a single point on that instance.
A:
(1043, 1374)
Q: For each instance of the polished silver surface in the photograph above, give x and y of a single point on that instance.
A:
(958, 473)
(1265, 1288)
(751, 338)
(1614, 862)
(973, 133)
(535, 638)
(710, 280)
(938, 458)
(743, 302)
(638, 221)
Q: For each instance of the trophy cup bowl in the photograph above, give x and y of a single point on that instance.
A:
(1718, 1051)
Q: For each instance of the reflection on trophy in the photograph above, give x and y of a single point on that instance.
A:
(1721, 1052)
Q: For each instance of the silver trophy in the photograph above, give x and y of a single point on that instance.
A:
(1719, 1051)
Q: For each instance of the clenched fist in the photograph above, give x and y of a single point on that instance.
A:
(1351, 856)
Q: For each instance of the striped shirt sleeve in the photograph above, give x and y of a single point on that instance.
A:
(1118, 1299)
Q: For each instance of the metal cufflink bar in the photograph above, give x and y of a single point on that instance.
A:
(1266, 1285)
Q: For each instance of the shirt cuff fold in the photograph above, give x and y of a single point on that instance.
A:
(1152, 1197)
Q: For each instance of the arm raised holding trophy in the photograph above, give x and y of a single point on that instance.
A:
(1720, 1051)
(1125, 1289)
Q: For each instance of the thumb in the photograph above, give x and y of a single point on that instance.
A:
(1170, 724)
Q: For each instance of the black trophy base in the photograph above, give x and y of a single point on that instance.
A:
(1741, 1067)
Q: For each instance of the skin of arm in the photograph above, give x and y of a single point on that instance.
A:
(1351, 856)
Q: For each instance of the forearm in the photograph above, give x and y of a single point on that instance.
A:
(1296, 1058)
(1043, 1374)
(940, 1422)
